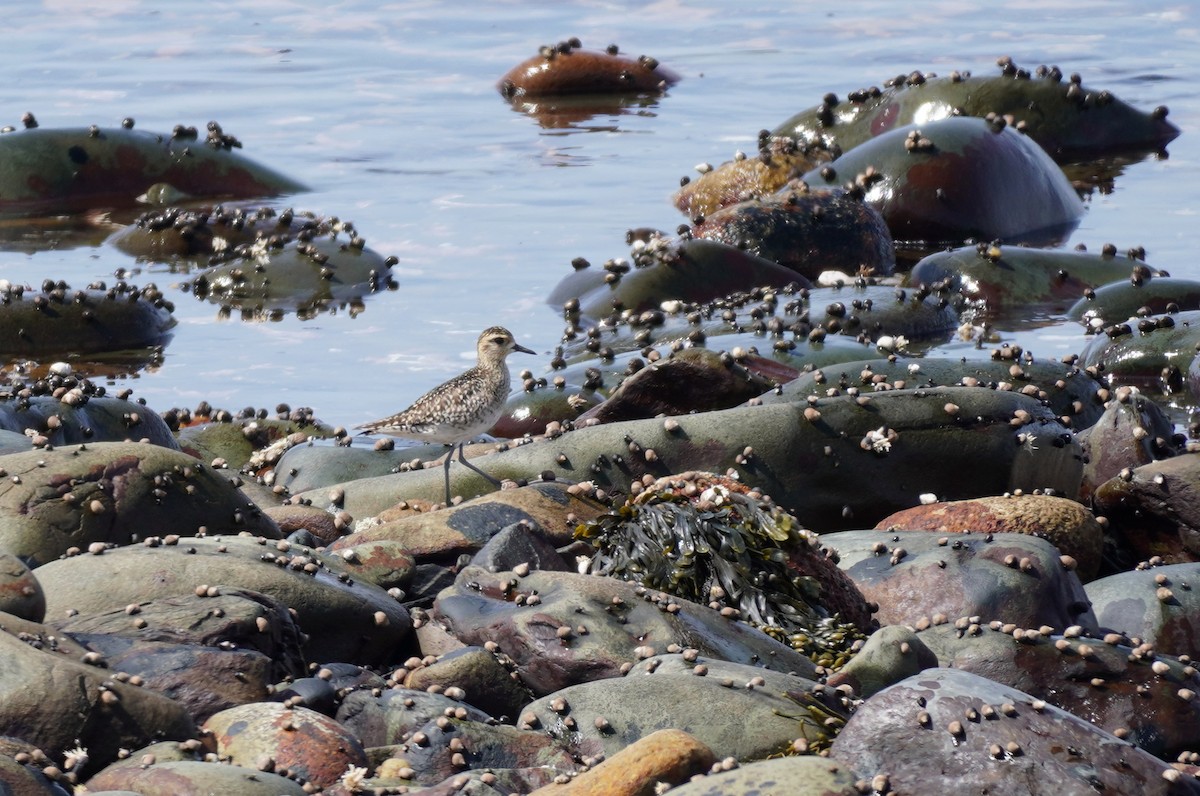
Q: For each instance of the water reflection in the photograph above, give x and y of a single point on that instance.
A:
(572, 113)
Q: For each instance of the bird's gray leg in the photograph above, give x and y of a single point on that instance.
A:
(446, 470)
(463, 459)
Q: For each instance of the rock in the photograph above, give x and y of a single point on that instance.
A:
(891, 653)
(944, 181)
(928, 734)
(1140, 295)
(1068, 120)
(82, 416)
(806, 231)
(917, 578)
(20, 592)
(192, 778)
(442, 535)
(57, 703)
(692, 270)
(238, 440)
(692, 380)
(344, 620)
(50, 171)
(1013, 277)
(1154, 603)
(1117, 684)
(488, 683)
(564, 68)
(307, 277)
(1132, 431)
(517, 544)
(1064, 523)
(311, 747)
(840, 469)
(448, 747)
(714, 701)
(1154, 353)
(207, 652)
(392, 715)
(114, 493)
(1071, 393)
(804, 775)
(124, 326)
(667, 757)
(606, 622)
(780, 160)
(1152, 510)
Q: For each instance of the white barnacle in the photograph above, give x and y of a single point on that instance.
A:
(75, 758)
(879, 441)
(352, 779)
(1027, 441)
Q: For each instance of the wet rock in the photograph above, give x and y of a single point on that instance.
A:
(919, 734)
(694, 270)
(521, 543)
(565, 68)
(442, 535)
(208, 652)
(1154, 353)
(57, 703)
(26, 779)
(946, 181)
(666, 757)
(239, 440)
(917, 578)
(392, 715)
(1072, 394)
(311, 747)
(384, 562)
(842, 468)
(807, 231)
(1141, 295)
(1118, 684)
(170, 234)
(1016, 276)
(804, 775)
(449, 746)
(1067, 119)
(320, 525)
(890, 654)
(711, 699)
(343, 619)
(477, 672)
(123, 324)
(1153, 603)
(1132, 431)
(1064, 523)
(320, 274)
(48, 171)
(533, 409)
(562, 628)
(192, 778)
(780, 160)
(114, 493)
(20, 592)
(80, 415)
(1152, 510)
(306, 467)
(692, 380)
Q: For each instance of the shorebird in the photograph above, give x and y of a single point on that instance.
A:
(462, 408)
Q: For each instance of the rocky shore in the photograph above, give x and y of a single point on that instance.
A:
(749, 539)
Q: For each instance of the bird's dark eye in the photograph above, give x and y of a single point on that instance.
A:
(498, 340)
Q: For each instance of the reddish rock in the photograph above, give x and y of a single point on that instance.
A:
(566, 69)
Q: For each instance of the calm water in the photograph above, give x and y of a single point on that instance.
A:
(390, 113)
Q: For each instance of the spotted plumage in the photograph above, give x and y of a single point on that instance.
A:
(461, 408)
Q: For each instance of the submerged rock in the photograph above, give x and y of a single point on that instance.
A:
(47, 171)
(564, 68)
(1067, 119)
